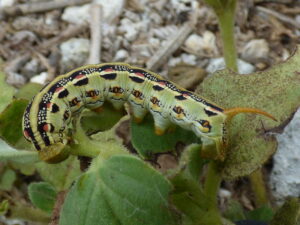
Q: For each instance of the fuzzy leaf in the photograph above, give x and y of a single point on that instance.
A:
(28, 91)
(9, 153)
(264, 213)
(6, 93)
(8, 177)
(11, 121)
(288, 214)
(60, 175)
(119, 190)
(92, 121)
(148, 143)
(275, 91)
(42, 195)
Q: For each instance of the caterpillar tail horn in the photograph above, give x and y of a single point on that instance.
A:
(234, 111)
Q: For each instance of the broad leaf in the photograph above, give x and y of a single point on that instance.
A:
(8, 177)
(11, 121)
(42, 195)
(9, 153)
(60, 175)
(6, 93)
(148, 143)
(276, 91)
(28, 91)
(119, 190)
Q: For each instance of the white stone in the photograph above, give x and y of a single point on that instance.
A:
(121, 55)
(6, 3)
(205, 45)
(285, 179)
(40, 79)
(165, 33)
(74, 52)
(76, 14)
(183, 58)
(31, 67)
(184, 5)
(219, 64)
(131, 29)
(255, 50)
(16, 79)
(111, 9)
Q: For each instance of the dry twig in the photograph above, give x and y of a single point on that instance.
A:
(173, 44)
(71, 31)
(38, 7)
(96, 34)
(279, 16)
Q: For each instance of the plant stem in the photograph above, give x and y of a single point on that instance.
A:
(226, 23)
(85, 146)
(225, 11)
(211, 187)
(259, 188)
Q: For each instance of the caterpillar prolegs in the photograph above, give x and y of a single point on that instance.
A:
(52, 109)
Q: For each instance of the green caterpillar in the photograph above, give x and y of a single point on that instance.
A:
(51, 110)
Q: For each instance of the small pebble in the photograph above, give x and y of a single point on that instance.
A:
(111, 10)
(40, 79)
(74, 53)
(219, 64)
(205, 45)
(121, 55)
(255, 50)
(6, 3)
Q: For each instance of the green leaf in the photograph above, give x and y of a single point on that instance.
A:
(92, 121)
(28, 91)
(191, 161)
(8, 177)
(188, 196)
(120, 190)
(288, 214)
(6, 93)
(148, 143)
(42, 195)
(234, 211)
(60, 175)
(11, 154)
(11, 121)
(4, 205)
(275, 91)
(264, 213)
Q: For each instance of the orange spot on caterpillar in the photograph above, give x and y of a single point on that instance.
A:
(79, 76)
(158, 131)
(46, 127)
(140, 74)
(109, 70)
(59, 89)
(49, 105)
(25, 132)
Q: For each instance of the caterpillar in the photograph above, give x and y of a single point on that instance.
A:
(51, 111)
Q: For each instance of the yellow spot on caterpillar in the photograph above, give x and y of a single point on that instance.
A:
(159, 131)
(99, 109)
(137, 119)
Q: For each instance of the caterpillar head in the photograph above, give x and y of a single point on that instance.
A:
(54, 153)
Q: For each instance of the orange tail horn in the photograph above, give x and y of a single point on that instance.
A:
(234, 111)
